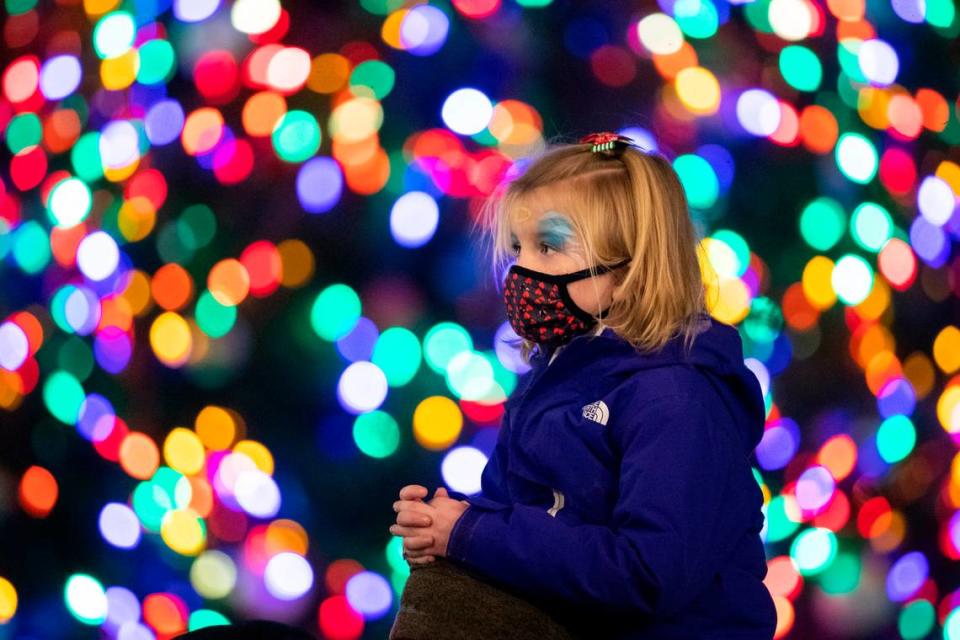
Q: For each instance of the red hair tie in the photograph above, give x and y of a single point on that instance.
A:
(606, 141)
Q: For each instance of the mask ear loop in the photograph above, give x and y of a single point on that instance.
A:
(604, 313)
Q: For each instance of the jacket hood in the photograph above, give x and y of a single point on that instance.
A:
(717, 351)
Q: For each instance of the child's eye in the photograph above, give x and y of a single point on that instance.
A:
(544, 248)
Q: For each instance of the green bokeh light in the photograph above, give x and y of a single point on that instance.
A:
(335, 312)
(801, 68)
(397, 353)
(916, 620)
(822, 223)
(375, 74)
(444, 341)
(765, 320)
(696, 18)
(203, 618)
(871, 226)
(24, 130)
(814, 550)
(296, 136)
(699, 180)
(896, 438)
(76, 358)
(779, 525)
(842, 576)
(31, 248)
(85, 599)
(63, 396)
(376, 434)
(856, 157)
(213, 318)
(157, 62)
(85, 157)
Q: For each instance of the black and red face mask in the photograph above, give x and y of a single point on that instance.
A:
(540, 308)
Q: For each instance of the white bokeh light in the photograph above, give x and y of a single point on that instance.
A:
(467, 111)
(194, 10)
(852, 279)
(257, 493)
(98, 255)
(462, 467)
(660, 34)
(288, 576)
(255, 16)
(60, 76)
(790, 19)
(413, 219)
(14, 346)
(758, 112)
(878, 62)
(70, 202)
(362, 387)
(936, 200)
(119, 144)
(370, 594)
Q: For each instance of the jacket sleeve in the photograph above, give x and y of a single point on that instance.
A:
(665, 540)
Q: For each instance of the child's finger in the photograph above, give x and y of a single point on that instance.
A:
(413, 492)
(414, 506)
(406, 532)
(422, 560)
(409, 518)
(414, 544)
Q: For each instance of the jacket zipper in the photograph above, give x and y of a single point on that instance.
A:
(557, 503)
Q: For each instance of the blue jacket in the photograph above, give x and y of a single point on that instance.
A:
(620, 493)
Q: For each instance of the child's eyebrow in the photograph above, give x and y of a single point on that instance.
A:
(555, 228)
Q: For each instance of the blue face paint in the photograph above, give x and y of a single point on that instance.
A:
(555, 229)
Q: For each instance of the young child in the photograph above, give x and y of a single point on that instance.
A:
(620, 491)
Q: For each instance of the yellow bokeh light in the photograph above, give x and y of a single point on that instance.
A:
(183, 451)
(183, 531)
(732, 302)
(948, 409)
(95, 8)
(120, 72)
(698, 90)
(946, 349)
(213, 574)
(285, 535)
(437, 422)
(137, 292)
(356, 119)
(816, 281)
(391, 29)
(136, 218)
(8, 600)
(216, 428)
(170, 339)
(257, 452)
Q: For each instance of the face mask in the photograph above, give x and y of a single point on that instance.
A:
(540, 308)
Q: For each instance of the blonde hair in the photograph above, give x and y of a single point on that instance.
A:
(627, 204)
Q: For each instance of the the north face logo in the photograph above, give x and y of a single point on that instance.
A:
(597, 411)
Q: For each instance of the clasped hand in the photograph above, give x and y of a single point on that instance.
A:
(425, 526)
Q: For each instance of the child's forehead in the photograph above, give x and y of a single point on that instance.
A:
(532, 213)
